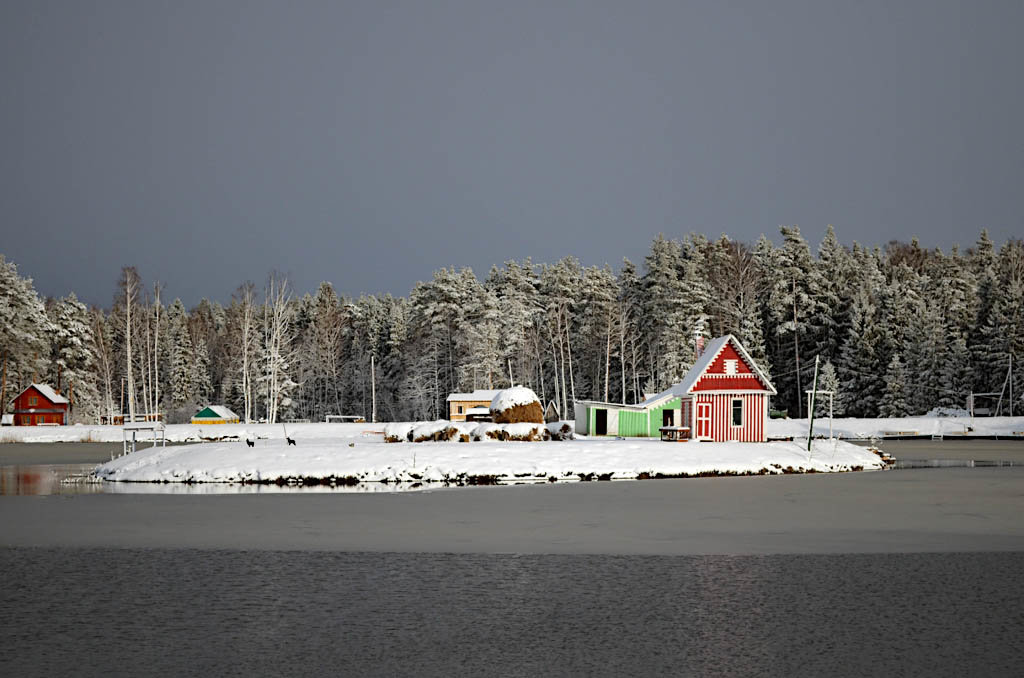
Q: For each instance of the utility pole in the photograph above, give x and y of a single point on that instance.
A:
(373, 390)
(814, 390)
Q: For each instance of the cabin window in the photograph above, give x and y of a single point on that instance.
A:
(737, 412)
(730, 366)
(460, 409)
(32, 401)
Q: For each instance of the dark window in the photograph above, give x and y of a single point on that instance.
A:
(737, 412)
(460, 409)
(668, 417)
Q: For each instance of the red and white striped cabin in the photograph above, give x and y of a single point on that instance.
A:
(725, 394)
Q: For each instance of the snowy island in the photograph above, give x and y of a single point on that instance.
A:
(352, 453)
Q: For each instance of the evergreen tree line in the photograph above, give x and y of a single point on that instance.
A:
(899, 330)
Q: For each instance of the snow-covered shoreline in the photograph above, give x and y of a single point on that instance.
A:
(369, 459)
(844, 428)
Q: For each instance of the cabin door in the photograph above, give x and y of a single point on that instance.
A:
(703, 420)
(600, 422)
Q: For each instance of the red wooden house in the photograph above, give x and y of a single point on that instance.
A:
(727, 394)
(724, 396)
(40, 404)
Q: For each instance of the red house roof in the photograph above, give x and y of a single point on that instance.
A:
(723, 366)
(47, 392)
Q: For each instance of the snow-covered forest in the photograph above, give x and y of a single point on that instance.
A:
(899, 329)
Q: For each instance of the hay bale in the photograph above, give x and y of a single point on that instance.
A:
(486, 431)
(436, 431)
(516, 405)
(397, 433)
(524, 432)
(560, 430)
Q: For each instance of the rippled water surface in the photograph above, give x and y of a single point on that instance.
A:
(189, 612)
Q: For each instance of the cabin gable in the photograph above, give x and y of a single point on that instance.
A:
(729, 371)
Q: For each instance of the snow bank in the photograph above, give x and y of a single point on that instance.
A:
(184, 433)
(359, 459)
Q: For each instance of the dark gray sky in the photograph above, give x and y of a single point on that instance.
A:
(370, 143)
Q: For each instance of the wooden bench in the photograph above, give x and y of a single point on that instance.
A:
(676, 434)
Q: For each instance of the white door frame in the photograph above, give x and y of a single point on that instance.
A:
(703, 416)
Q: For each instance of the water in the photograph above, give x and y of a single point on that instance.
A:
(128, 584)
(200, 612)
(63, 468)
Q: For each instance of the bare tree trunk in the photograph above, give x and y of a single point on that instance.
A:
(554, 364)
(147, 377)
(572, 381)
(608, 356)
(156, 351)
(129, 292)
(622, 352)
(373, 390)
(3, 386)
(796, 351)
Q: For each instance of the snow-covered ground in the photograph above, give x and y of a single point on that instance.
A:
(881, 427)
(369, 459)
(843, 428)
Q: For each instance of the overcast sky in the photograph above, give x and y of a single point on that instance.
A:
(371, 143)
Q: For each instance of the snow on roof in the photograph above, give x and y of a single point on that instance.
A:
(510, 397)
(48, 393)
(481, 394)
(220, 411)
(144, 425)
(714, 347)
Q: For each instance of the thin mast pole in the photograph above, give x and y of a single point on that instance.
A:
(814, 389)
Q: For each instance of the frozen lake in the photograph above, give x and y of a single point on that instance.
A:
(100, 612)
(903, 572)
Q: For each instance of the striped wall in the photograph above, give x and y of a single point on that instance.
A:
(755, 412)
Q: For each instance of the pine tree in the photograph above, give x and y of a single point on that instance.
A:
(860, 384)
(828, 380)
(830, 283)
(924, 354)
(664, 322)
(24, 327)
(182, 393)
(894, 398)
(629, 305)
(792, 305)
(72, 368)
